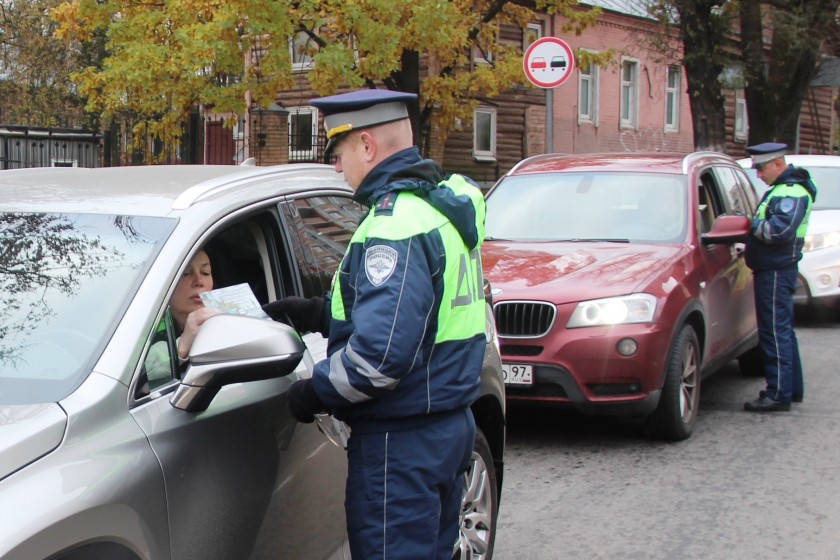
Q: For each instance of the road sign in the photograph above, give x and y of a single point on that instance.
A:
(548, 62)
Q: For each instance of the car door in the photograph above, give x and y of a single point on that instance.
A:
(738, 201)
(725, 287)
(243, 478)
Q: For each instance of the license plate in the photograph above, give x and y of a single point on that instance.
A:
(518, 374)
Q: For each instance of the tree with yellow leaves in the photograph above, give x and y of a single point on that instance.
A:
(164, 57)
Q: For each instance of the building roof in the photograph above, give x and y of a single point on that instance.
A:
(638, 8)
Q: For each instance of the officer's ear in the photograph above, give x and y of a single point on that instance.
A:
(369, 145)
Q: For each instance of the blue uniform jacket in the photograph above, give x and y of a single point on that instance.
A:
(389, 358)
(775, 242)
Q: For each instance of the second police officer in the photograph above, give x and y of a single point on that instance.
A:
(773, 250)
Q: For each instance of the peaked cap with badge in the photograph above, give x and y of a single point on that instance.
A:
(360, 109)
(768, 151)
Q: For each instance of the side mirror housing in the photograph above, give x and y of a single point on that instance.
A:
(236, 349)
(728, 230)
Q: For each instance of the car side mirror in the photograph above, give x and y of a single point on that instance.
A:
(235, 349)
(727, 230)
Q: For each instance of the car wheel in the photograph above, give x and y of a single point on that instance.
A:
(751, 362)
(674, 417)
(479, 505)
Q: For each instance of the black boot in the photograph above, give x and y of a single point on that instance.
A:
(766, 404)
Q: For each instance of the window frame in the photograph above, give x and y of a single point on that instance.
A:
(672, 93)
(301, 62)
(740, 124)
(592, 79)
(629, 107)
(533, 28)
(479, 154)
(480, 58)
(297, 155)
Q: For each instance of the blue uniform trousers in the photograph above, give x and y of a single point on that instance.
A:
(774, 311)
(404, 487)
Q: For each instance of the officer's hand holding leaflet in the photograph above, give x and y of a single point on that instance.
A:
(306, 314)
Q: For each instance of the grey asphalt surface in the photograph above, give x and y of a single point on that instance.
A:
(744, 486)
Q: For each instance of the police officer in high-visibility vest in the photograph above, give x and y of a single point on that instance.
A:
(772, 251)
(405, 321)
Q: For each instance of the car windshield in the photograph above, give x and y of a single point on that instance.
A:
(64, 280)
(827, 180)
(619, 207)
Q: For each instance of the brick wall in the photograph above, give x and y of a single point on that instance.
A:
(626, 35)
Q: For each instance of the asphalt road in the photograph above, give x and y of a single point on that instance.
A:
(744, 486)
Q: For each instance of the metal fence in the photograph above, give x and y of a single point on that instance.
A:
(24, 146)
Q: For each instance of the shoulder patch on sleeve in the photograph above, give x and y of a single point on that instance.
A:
(787, 205)
(380, 263)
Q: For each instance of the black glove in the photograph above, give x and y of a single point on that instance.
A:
(304, 401)
(305, 314)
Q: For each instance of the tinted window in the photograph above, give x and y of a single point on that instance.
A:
(321, 230)
(64, 280)
(578, 206)
(731, 190)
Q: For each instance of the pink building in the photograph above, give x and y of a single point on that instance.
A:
(637, 101)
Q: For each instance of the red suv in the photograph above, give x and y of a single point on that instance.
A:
(619, 281)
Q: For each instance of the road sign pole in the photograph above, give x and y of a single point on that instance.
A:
(547, 63)
(549, 120)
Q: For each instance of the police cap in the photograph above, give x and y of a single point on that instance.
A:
(768, 151)
(361, 109)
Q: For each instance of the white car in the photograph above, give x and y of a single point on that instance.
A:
(819, 269)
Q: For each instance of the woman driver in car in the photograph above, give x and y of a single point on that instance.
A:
(187, 313)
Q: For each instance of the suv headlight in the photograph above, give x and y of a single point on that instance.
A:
(821, 241)
(635, 308)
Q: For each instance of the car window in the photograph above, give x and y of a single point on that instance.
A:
(65, 279)
(709, 202)
(320, 229)
(161, 364)
(644, 207)
(249, 251)
(733, 196)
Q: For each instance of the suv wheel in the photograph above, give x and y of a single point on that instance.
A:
(479, 505)
(674, 418)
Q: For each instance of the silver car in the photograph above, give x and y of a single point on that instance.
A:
(98, 460)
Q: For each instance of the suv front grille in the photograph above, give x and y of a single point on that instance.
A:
(523, 319)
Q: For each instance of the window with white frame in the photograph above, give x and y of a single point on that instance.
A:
(533, 31)
(303, 133)
(588, 93)
(300, 48)
(485, 47)
(629, 111)
(239, 140)
(672, 98)
(742, 127)
(484, 134)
